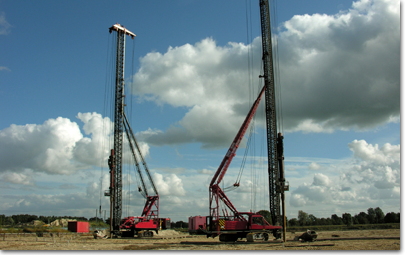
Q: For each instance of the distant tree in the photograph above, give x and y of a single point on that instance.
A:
(379, 215)
(313, 220)
(2, 219)
(372, 217)
(336, 220)
(363, 218)
(391, 217)
(321, 221)
(95, 219)
(293, 222)
(43, 219)
(398, 214)
(179, 224)
(355, 219)
(325, 221)
(24, 218)
(302, 218)
(347, 219)
(9, 221)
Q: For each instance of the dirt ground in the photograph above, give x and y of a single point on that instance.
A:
(172, 240)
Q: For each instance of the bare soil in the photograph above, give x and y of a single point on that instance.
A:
(173, 240)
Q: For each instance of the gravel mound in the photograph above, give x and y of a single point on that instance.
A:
(168, 232)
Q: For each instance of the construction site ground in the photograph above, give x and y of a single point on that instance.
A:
(173, 240)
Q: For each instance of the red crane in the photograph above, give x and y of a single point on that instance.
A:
(236, 225)
(149, 220)
(247, 224)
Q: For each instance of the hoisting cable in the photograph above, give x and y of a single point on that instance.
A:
(250, 94)
(276, 66)
(104, 113)
(129, 110)
(144, 190)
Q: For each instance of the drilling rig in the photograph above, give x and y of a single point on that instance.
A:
(230, 224)
(149, 220)
(277, 182)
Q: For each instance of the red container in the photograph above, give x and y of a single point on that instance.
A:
(78, 226)
(195, 223)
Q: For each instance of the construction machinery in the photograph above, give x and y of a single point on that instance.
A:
(230, 224)
(149, 221)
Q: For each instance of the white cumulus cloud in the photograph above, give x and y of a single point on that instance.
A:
(337, 72)
(372, 177)
(57, 147)
(168, 185)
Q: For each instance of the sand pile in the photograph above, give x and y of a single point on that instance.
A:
(168, 232)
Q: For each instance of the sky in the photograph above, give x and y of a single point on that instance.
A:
(191, 76)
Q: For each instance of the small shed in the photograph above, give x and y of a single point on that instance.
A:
(78, 226)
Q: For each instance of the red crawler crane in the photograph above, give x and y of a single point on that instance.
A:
(247, 224)
(149, 220)
(240, 224)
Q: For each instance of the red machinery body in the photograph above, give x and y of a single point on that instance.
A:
(149, 220)
(231, 225)
(138, 223)
(253, 221)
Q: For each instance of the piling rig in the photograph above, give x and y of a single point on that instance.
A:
(149, 220)
(230, 224)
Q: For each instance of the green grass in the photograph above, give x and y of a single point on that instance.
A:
(44, 229)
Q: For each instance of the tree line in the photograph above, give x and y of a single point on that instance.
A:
(27, 218)
(373, 216)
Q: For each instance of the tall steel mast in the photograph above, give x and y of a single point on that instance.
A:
(115, 162)
(277, 185)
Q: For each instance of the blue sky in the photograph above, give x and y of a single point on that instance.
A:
(189, 89)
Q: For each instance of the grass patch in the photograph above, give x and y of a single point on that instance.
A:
(11, 230)
(44, 230)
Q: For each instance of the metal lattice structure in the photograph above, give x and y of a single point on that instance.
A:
(116, 170)
(216, 193)
(274, 140)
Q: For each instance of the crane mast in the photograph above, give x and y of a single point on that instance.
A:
(277, 185)
(115, 161)
(250, 225)
(149, 220)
